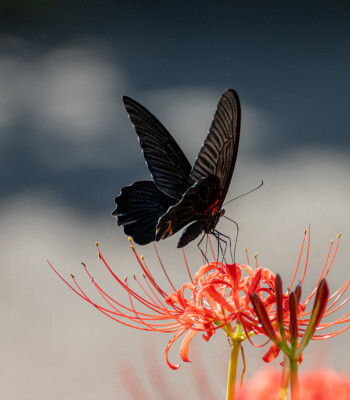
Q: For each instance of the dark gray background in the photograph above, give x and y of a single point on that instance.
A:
(291, 62)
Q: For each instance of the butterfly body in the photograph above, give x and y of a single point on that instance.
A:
(180, 195)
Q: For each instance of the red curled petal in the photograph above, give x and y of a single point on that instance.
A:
(268, 277)
(185, 345)
(300, 359)
(171, 299)
(209, 332)
(204, 269)
(171, 341)
(272, 353)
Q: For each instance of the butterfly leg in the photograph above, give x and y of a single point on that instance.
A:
(220, 249)
(220, 238)
(206, 247)
(234, 252)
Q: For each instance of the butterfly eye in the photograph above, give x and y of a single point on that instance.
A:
(222, 212)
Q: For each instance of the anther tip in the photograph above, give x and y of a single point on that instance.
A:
(338, 236)
(96, 244)
(129, 238)
(72, 276)
(126, 278)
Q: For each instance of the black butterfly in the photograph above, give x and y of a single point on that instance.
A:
(179, 195)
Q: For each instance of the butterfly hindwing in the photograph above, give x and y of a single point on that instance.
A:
(198, 203)
(167, 163)
(139, 206)
(190, 233)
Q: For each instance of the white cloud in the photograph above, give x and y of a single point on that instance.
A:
(67, 100)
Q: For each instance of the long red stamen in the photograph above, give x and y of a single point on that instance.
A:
(324, 274)
(298, 263)
(146, 271)
(117, 312)
(161, 263)
(246, 253)
(211, 247)
(157, 302)
(335, 253)
(330, 335)
(187, 267)
(341, 292)
(256, 260)
(307, 256)
(135, 312)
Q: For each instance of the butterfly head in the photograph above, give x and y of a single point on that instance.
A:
(211, 222)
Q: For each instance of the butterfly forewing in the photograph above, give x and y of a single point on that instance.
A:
(167, 163)
(219, 152)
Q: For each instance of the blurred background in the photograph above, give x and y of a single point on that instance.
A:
(67, 147)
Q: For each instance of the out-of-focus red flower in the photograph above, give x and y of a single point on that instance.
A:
(323, 384)
(318, 384)
(217, 297)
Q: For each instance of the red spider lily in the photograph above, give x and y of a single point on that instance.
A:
(290, 319)
(217, 297)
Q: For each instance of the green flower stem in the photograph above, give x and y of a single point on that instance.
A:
(310, 329)
(284, 379)
(294, 382)
(232, 370)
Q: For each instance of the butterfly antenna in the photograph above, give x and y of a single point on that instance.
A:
(234, 251)
(250, 191)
